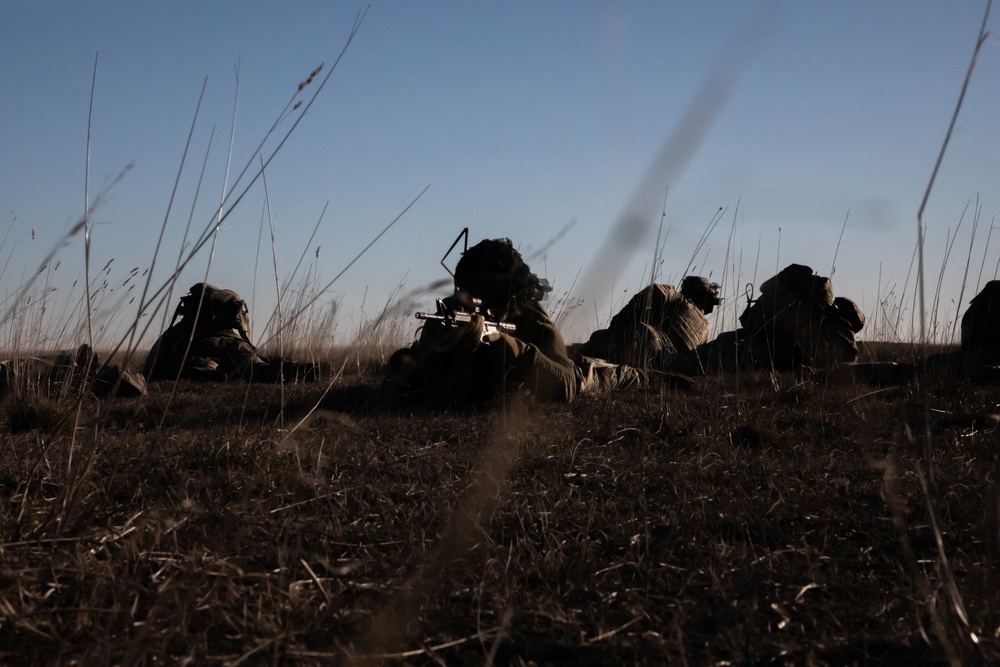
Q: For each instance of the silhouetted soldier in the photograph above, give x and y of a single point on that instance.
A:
(659, 320)
(210, 342)
(795, 322)
(470, 359)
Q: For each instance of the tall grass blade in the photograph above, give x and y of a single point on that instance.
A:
(309, 302)
(86, 206)
(926, 475)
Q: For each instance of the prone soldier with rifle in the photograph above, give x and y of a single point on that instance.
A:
(491, 337)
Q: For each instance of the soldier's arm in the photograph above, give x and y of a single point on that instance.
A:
(541, 360)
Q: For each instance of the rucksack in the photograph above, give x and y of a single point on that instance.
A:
(797, 321)
(221, 310)
(207, 339)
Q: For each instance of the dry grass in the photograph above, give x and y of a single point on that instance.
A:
(751, 520)
(759, 519)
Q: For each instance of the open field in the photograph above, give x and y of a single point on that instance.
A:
(744, 519)
(747, 520)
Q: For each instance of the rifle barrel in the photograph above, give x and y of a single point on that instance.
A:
(453, 320)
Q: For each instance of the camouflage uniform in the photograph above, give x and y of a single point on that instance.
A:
(598, 376)
(657, 321)
(214, 355)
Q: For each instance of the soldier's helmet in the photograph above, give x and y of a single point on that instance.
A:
(701, 292)
(494, 271)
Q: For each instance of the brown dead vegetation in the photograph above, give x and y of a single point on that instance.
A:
(750, 520)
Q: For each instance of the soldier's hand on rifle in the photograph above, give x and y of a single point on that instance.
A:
(493, 336)
(437, 337)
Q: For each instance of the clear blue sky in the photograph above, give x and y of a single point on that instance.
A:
(523, 117)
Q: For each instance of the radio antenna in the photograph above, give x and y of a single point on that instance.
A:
(462, 234)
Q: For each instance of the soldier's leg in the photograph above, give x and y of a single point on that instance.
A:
(599, 376)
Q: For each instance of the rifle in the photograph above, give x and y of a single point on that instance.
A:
(451, 316)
